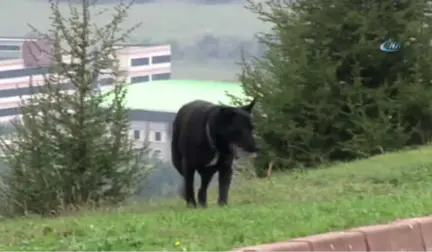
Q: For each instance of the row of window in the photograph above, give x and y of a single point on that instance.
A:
(154, 60)
(15, 73)
(9, 111)
(20, 91)
(137, 79)
(106, 81)
(145, 78)
(154, 136)
(10, 48)
(102, 82)
(134, 62)
(24, 72)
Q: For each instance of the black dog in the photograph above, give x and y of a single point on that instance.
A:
(206, 138)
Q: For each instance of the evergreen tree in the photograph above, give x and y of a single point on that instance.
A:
(326, 90)
(73, 148)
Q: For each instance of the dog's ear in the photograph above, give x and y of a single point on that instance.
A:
(250, 106)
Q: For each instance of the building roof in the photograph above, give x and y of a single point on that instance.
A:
(170, 95)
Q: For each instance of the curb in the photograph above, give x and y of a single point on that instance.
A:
(413, 234)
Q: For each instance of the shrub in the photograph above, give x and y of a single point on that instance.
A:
(73, 149)
(327, 93)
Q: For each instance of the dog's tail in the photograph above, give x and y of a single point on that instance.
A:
(182, 190)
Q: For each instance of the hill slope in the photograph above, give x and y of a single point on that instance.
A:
(379, 189)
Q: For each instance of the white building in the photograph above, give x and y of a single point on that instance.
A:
(139, 63)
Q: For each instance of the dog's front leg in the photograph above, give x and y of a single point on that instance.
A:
(206, 176)
(225, 176)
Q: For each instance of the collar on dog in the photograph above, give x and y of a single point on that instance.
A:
(209, 138)
(215, 159)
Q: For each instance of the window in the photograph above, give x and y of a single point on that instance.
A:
(161, 59)
(137, 79)
(26, 91)
(136, 134)
(139, 62)
(106, 81)
(158, 154)
(14, 92)
(9, 111)
(23, 72)
(158, 136)
(162, 76)
(10, 47)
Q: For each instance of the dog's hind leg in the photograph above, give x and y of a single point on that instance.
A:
(189, 192)
(206, 176)
(225, 176)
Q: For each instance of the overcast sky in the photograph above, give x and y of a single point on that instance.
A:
(167, 19)
(162, 20)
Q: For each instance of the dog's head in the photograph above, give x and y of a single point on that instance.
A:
(235, 127)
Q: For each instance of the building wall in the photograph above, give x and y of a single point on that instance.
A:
(139, 64)
(153, 128)
(155, 134)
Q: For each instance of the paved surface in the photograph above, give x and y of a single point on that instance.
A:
(404, 235)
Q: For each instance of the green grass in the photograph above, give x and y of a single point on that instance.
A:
(377, 190)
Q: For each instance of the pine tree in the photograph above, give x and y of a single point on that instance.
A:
(326, 90)
(72, 148)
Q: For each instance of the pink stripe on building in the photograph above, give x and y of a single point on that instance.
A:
(5, 119)
(11, 104)
(21, 82)
(11, 64)
(144, 50)
(14, 102)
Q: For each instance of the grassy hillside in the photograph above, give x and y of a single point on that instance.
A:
(211, 70)
(370, 191)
